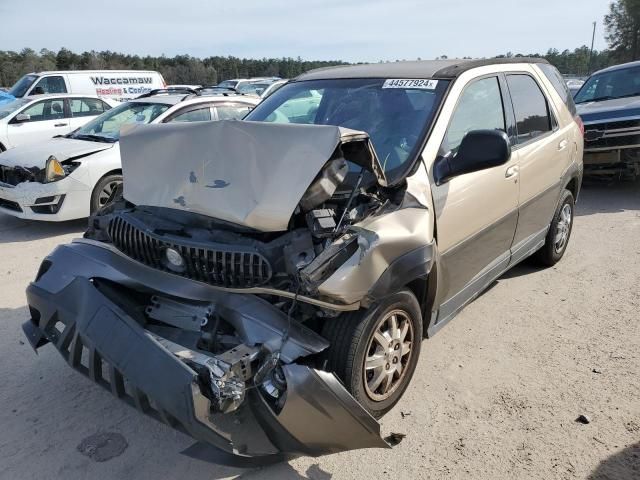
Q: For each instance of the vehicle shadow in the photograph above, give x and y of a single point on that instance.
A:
(608, 197)
(622, 465)
(42, 395)
(17, 230)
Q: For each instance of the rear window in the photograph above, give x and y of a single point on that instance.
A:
(558, 82)
(530, 106)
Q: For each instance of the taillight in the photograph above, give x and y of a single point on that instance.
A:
(580, 124)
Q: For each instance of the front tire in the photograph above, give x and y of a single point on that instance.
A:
(104, 191)
(559, 232)
(375, 351)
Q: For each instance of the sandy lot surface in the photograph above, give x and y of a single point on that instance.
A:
(495, 395)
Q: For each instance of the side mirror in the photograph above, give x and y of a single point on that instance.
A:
(479, 150)
(22, 117)
(37, 91)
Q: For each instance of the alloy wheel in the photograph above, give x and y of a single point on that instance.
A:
(563, 228)
(388, 355)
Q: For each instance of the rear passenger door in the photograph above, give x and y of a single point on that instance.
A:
(84, 109)
(47, 118)
(543, 153)
(476, 213)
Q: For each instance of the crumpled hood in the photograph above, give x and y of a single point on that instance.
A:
(248, 173)
(606, 110)
(36, 154)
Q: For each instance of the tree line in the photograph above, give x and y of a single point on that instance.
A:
(181, 69)
(184, 69)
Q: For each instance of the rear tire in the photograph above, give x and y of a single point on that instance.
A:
(559, 232)
(104, 191)
(387, 337)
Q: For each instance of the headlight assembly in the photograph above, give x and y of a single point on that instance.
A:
(53, 170)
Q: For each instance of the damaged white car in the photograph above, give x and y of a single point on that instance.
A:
(267, 292)
(72, 176)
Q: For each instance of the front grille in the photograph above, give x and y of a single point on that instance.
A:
(611, 135)
(9, 205)
(232, 267)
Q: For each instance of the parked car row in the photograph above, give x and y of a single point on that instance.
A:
(73, 175)
(265, 285)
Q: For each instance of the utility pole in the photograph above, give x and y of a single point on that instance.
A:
(593, 37)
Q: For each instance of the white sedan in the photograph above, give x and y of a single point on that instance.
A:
(70, 177)
(40, 117)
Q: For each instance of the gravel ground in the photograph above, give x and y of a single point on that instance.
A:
(495, 395)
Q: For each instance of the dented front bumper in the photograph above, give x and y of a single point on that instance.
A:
(99, 336)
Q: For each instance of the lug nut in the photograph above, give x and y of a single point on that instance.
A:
(396, 347)
(395, 360)
(387, 366)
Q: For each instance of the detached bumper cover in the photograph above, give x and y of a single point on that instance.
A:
(101, 340)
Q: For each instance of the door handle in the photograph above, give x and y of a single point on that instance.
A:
(562, 145)
(512, 171)
(61, 124)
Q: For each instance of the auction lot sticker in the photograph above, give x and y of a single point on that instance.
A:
(420, 83)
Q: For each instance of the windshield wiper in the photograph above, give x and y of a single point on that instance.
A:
(93, 138)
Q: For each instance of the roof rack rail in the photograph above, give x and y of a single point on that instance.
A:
(170, 91)
(216, 90)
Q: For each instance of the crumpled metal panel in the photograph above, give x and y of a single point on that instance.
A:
(248, 173)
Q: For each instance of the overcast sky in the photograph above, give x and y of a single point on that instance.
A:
(350, 30)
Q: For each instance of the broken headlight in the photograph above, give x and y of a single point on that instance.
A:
(54, 170)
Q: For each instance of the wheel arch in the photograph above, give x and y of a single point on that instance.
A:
(415, 271)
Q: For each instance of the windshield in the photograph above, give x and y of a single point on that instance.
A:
(396, 116)
(107, 126)
(21, 86)
(9, 108)
(609, 85)
(228, 84)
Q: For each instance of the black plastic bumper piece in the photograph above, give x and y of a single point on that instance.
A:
(101, 340)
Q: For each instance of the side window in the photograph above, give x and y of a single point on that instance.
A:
(232, 111)
(479, 108)
(45, 110)
(199, 115)
(530, 105)
(50, 85)
(86, 107)
(553, 75)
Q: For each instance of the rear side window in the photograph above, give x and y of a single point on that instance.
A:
(86, 107)
(553, 75)
(199, 115)
(479, 108)
(530, 105)
(232, 111)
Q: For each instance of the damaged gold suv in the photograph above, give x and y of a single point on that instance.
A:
(265, 285)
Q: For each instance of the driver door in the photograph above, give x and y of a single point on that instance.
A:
(476, 213)
(47, 118)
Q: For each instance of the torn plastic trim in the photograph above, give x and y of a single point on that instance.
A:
(317, 417)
